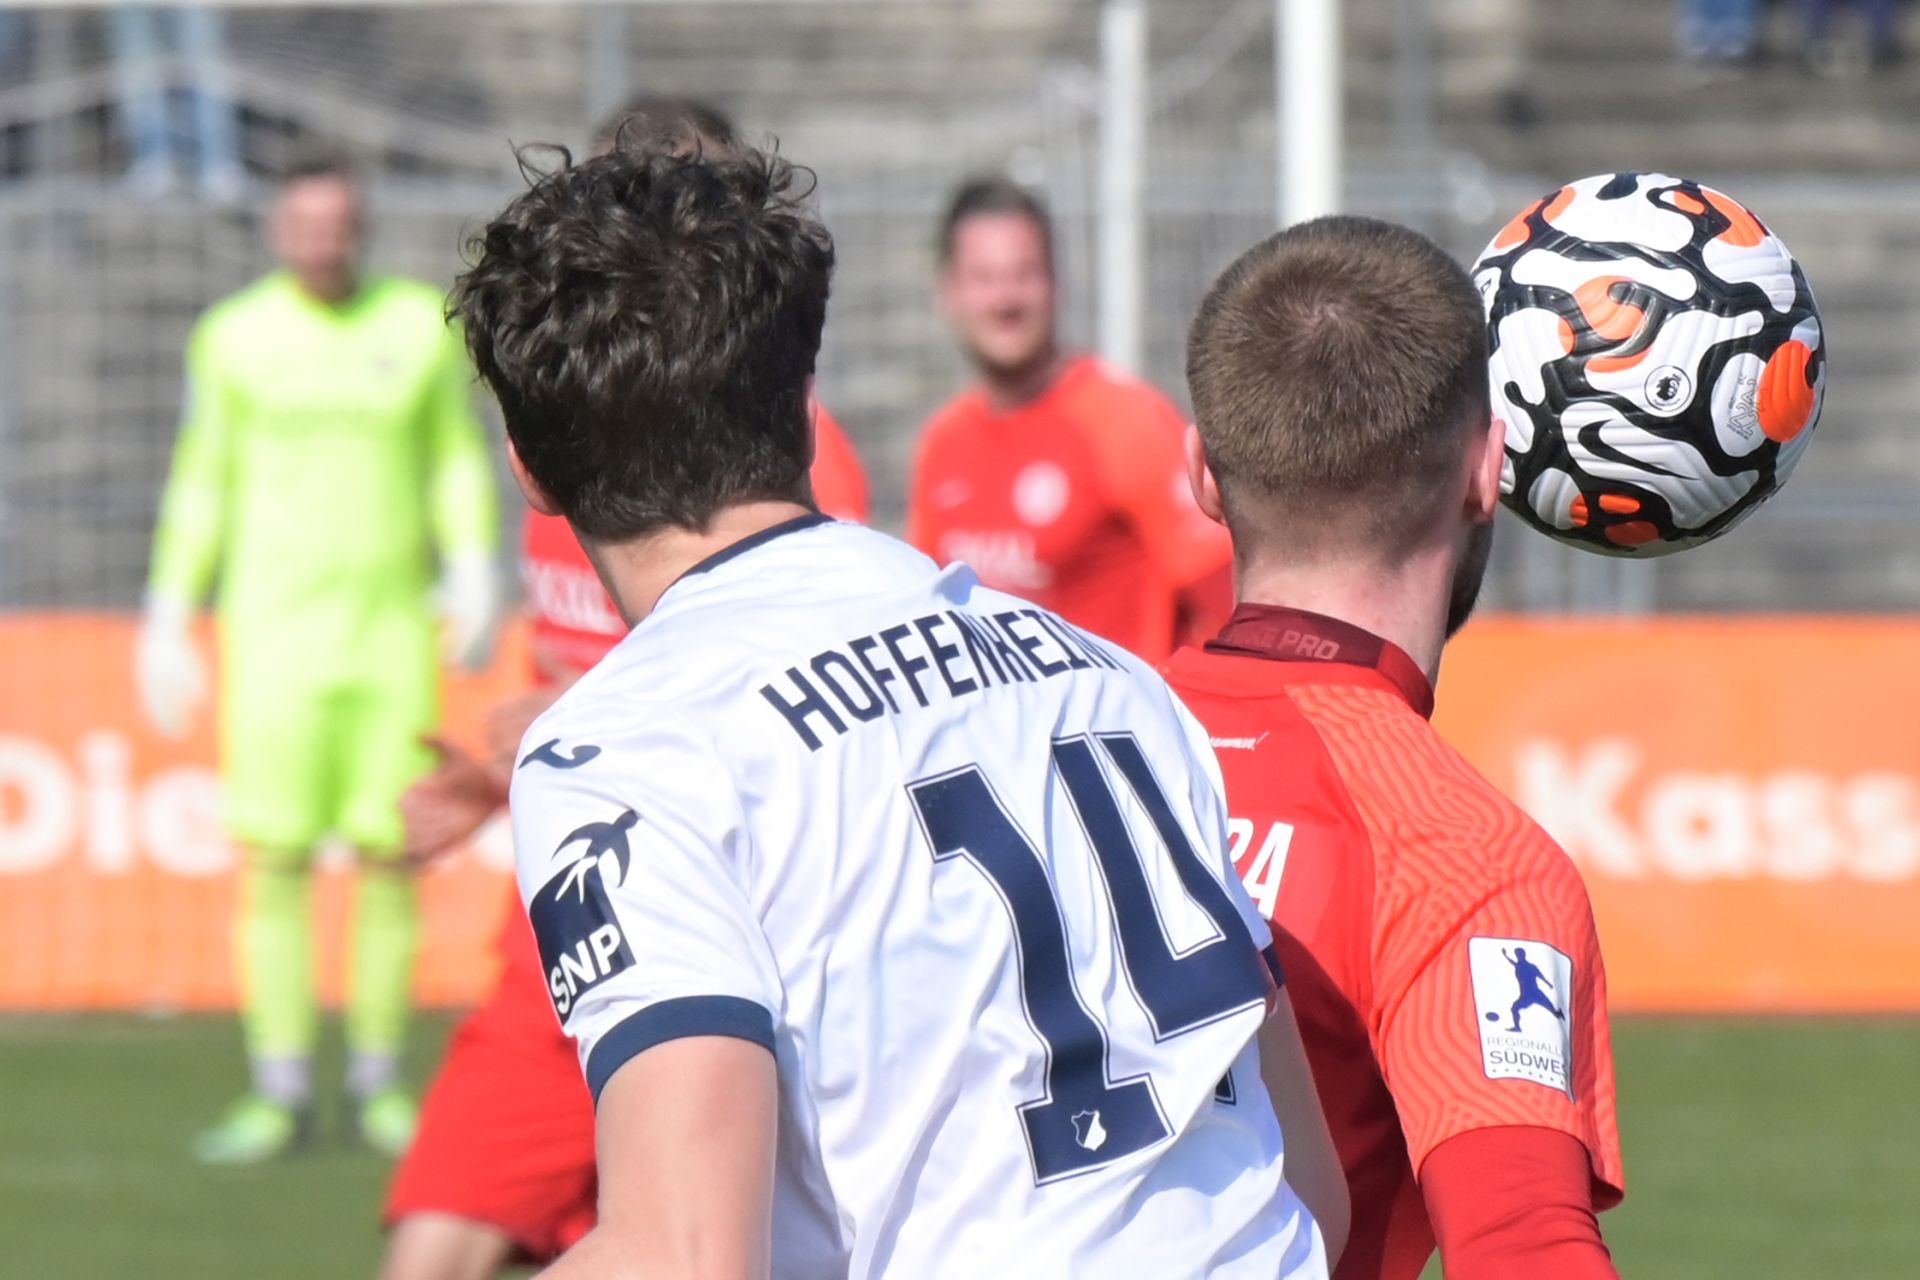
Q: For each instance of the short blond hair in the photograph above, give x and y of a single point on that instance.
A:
(1333, 368)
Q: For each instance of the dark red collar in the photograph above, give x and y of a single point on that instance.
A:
(1280, 634)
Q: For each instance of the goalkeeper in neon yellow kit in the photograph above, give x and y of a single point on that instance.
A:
(329, 452)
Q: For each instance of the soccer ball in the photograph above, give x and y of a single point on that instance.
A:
(1657, 358)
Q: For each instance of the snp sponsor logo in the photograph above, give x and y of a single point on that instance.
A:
(1621, 818)
(1523, 994)
(581, 943)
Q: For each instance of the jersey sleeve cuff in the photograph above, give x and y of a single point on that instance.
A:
(676, 1019)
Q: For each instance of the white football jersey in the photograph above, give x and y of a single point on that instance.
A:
(961, 868)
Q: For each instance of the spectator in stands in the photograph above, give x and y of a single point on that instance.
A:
(13, 45)
(1719, 32)
(16, 62)
(161, 155)
(1828, 54)
(1495, 48)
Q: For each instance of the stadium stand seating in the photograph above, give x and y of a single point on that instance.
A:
(891, 102)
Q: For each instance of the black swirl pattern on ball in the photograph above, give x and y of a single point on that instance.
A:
(1569, 380)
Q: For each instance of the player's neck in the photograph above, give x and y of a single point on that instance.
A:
(1007, 389)
(331, 297)
(637, 573)
(1405, 604)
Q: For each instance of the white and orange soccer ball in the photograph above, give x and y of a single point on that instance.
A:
(1657, 357)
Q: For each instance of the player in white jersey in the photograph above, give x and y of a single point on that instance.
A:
(892, 915)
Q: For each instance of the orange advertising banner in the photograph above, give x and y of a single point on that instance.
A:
(116, 884)
(1742, 795)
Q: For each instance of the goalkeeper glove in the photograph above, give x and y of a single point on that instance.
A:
(469, 609)
(168, 671)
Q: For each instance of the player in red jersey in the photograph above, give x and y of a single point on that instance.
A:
(1439, 945)
(1053, 476)
(502, 1167)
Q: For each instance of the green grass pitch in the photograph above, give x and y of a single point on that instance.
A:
(1755, 1149)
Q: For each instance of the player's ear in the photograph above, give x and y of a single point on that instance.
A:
(530, 489)
(1485, 453)
(1206, 490)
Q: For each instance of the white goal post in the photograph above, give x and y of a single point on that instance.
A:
(1306, 66)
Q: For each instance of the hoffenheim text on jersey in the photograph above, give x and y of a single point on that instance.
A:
(936, 655)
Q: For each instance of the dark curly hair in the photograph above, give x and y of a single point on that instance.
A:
(649, 319)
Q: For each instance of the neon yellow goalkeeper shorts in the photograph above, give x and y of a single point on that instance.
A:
(307, 753)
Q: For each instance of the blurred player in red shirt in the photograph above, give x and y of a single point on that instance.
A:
(1438, 944)
(1053, 476)
(502, 1167)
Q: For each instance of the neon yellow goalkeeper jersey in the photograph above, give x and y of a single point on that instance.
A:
(326, 454)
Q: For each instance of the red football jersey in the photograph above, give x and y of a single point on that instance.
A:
(1438, 945)
(574, 623)
(839, 481)
(1076, 500)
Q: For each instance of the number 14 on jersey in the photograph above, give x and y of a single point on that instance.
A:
(1087, 1118)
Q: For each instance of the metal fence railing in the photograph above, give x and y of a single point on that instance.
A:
(101, 276)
